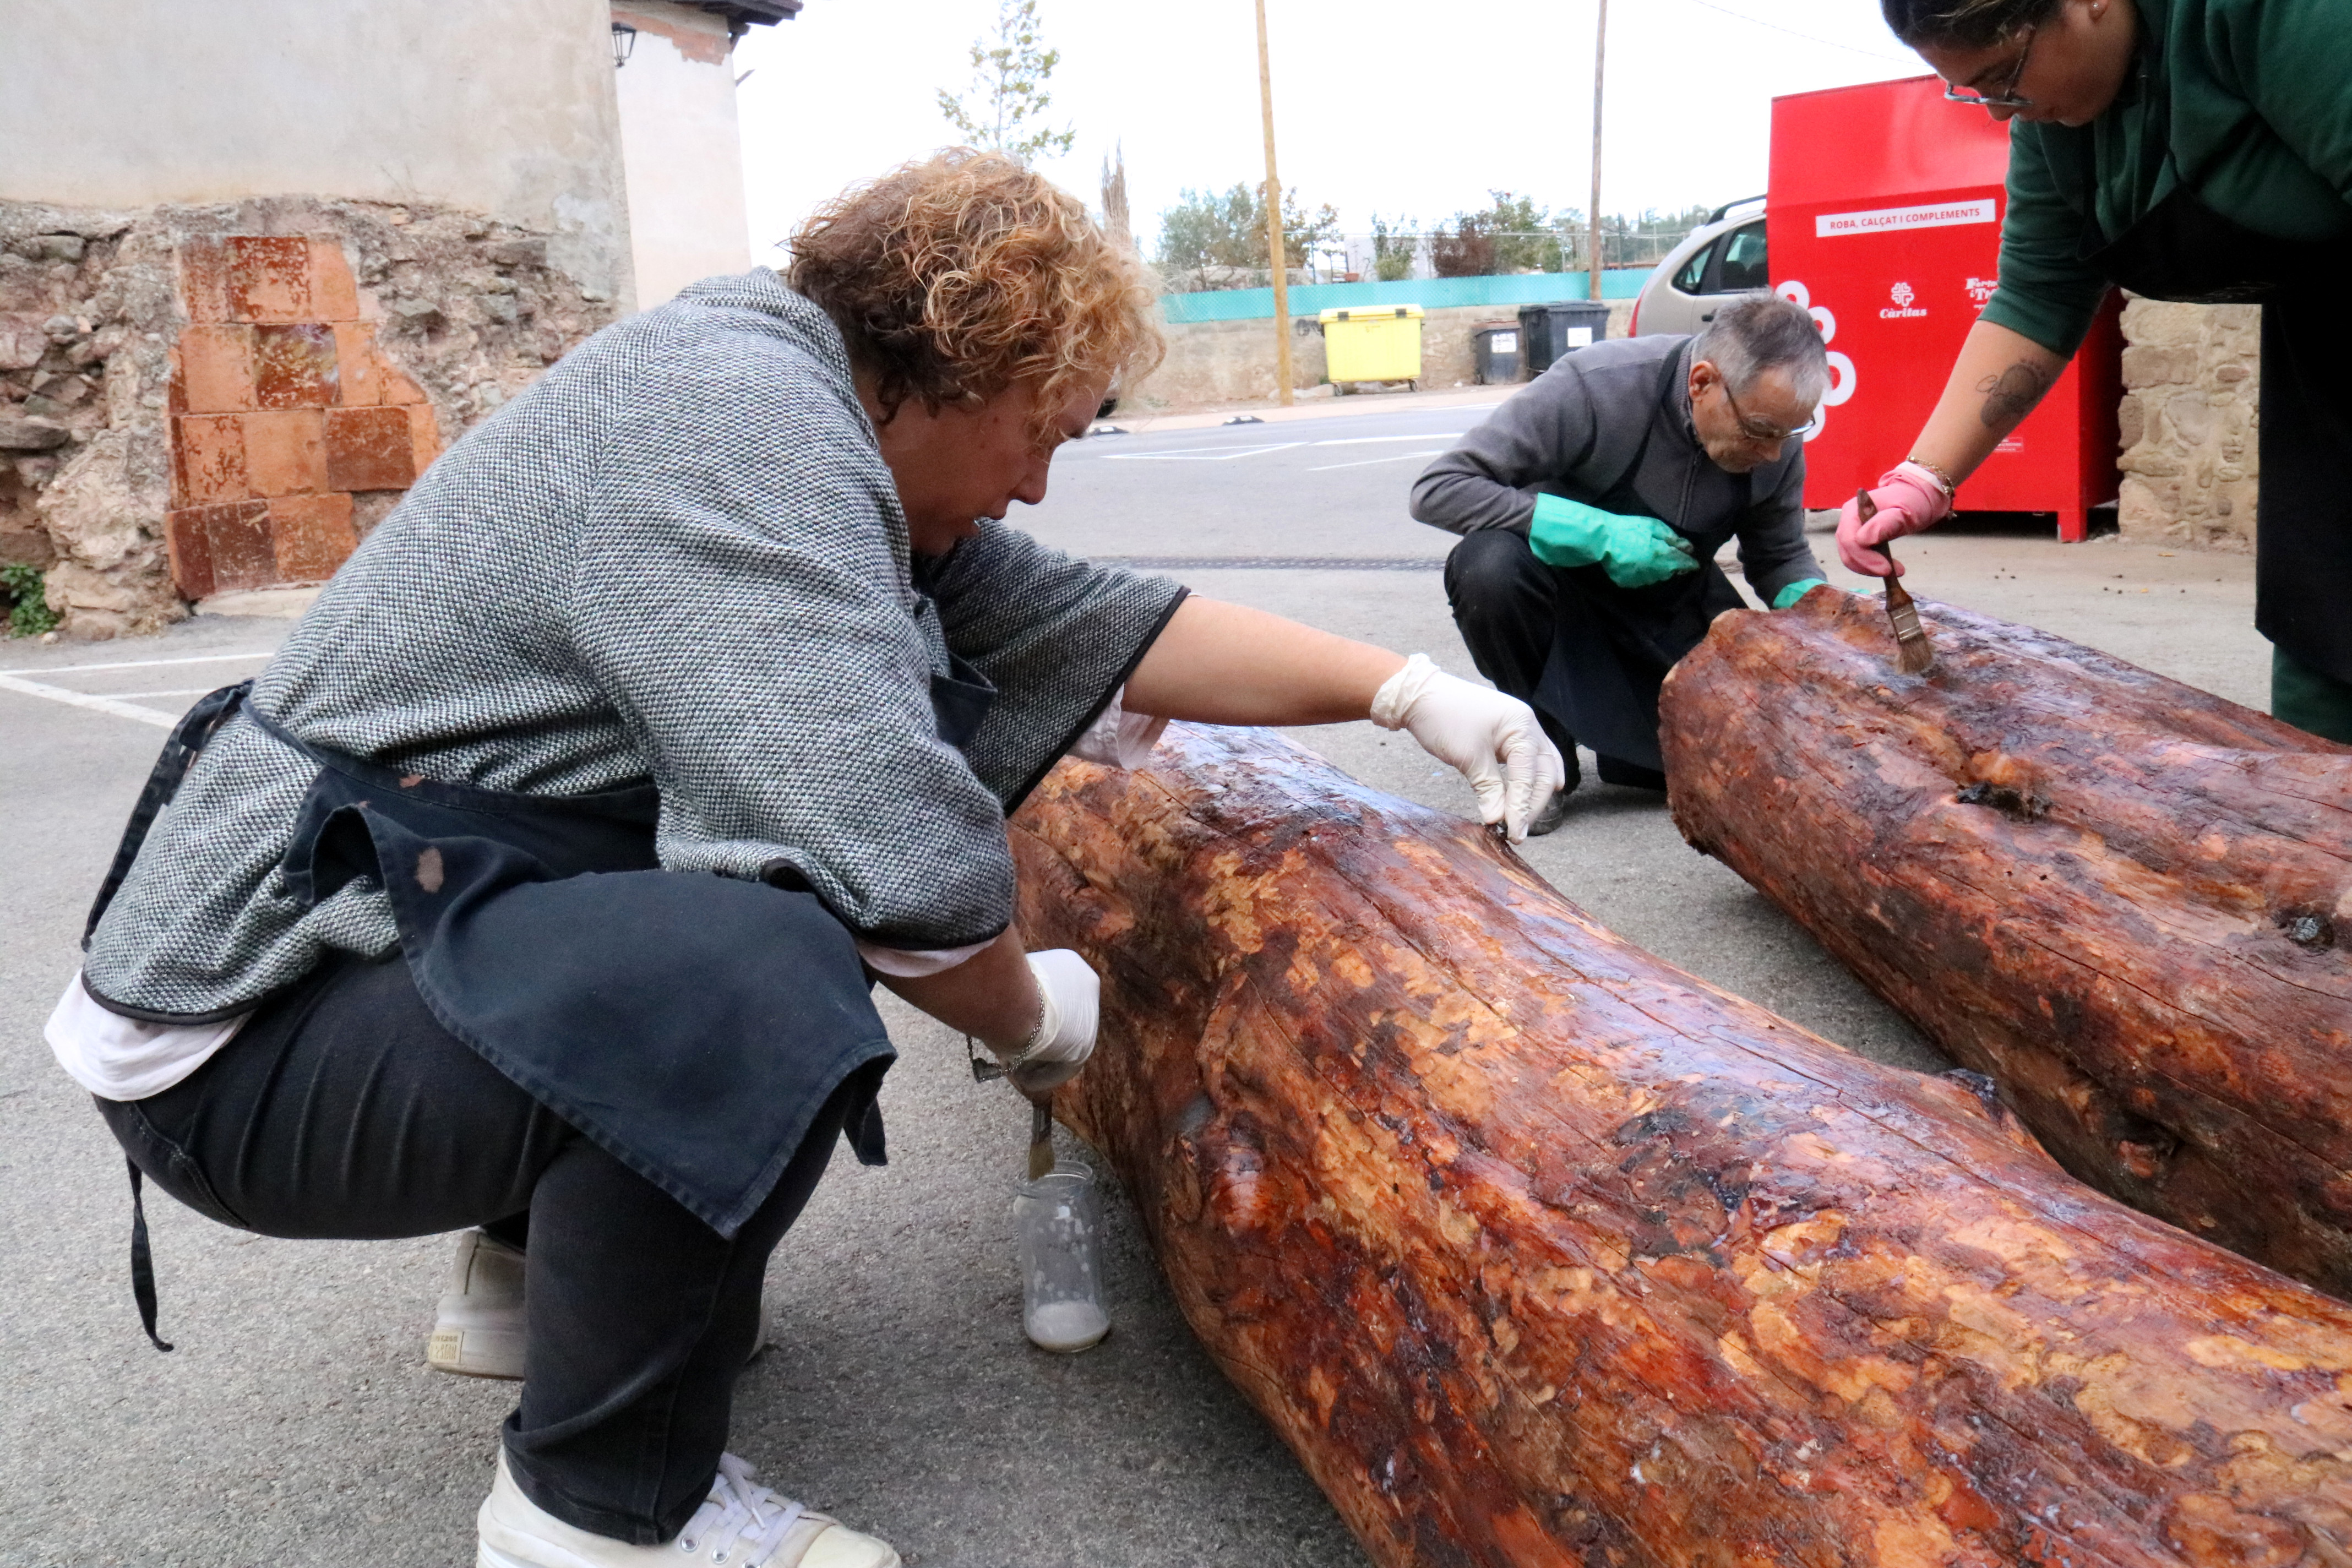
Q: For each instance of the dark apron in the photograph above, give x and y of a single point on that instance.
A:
(2183, 250)
(1611, 647)
(692, 1025)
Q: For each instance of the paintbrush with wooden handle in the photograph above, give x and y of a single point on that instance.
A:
(1914, 655)
(1041, 1138)
(1041, 1113)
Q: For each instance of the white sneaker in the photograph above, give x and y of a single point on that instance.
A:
(740, 1524)
(478, 1329)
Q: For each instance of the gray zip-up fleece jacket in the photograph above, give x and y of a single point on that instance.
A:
(1575, 429)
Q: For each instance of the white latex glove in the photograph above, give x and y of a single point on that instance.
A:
(1488, 738)
(1065, 1035)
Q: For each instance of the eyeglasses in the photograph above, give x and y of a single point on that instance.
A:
(2006, 97)
(1762, 434)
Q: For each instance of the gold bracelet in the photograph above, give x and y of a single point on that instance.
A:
(1951, 485)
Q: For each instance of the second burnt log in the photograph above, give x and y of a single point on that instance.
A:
(2118, 896)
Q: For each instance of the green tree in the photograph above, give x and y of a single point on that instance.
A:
(1302, 231)
(1393, 243)
(1510, 233)
(1209, 228)
(1008, 89)
(1227, 228)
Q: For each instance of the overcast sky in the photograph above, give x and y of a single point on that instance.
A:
(1378, 106)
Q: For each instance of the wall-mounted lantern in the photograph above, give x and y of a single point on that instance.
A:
(625, 39)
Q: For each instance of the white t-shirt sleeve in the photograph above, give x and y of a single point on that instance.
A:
(1118, 739)
(116, 1058)
(916, 965)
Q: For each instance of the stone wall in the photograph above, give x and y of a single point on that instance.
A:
(1234, 362)
(2193, 383)
(201, 399)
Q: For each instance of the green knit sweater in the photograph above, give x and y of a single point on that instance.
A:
(2249, 102)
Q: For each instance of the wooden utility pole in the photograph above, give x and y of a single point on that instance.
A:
(1273, 220)
(1600, 53)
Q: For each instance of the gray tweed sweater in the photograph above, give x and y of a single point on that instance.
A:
(678, 558)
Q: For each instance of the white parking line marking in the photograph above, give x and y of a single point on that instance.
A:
(1368, 462)
(139, 696)
(1198, 455)
(115, 706)
(140, 663)
(1425, 436)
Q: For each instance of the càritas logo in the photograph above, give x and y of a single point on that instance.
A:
(1902, 294)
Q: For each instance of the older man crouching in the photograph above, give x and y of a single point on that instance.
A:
(1591, 506)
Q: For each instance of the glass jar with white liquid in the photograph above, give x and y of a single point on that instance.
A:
(1055, 1217)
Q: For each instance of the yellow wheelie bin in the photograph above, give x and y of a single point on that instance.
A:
(1371, 342)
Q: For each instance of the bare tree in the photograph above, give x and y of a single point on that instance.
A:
(1008, 89)
(1114, 199)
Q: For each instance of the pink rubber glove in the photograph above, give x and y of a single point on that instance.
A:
(1909, 500)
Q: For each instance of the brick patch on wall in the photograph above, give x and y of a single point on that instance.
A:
(282, 408)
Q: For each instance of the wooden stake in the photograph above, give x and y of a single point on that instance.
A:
(1274, 221)
(1600, 53)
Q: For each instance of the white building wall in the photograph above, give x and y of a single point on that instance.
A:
(505, 107)
(682, 149)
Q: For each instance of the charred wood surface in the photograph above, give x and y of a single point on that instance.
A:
(1539, 1251)
(2117, 895)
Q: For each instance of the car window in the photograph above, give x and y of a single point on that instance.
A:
(1743, 267)
(1689, 280)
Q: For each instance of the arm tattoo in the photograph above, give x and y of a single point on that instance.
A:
(2010, 397)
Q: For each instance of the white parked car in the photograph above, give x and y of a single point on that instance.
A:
(1723, 257)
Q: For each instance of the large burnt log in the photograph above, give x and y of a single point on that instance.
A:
(1538, 1251)
(2117, 895)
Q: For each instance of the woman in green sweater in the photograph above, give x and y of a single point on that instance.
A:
(2194, 150)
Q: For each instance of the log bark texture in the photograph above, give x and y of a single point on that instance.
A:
(1540, 1252)
(2128, 900)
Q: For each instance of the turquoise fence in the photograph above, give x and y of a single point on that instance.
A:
(1429, 293)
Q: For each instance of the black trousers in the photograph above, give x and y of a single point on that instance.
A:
(1512, 610)
(1506, 604)
(342, 1110)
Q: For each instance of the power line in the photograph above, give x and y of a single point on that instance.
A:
(1775, 27)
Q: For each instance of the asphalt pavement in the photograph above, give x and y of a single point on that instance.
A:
(297, 1423)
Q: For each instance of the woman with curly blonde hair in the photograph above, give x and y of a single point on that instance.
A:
(538, 883)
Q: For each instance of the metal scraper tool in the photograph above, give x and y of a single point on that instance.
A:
(1041, 1140)
(1914, 655)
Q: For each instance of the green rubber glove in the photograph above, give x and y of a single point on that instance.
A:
(1636, 551)
(1796, 591)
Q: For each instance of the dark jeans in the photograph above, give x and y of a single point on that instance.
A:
(343, 1109)
(1506, 606)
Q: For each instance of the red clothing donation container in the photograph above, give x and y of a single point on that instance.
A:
(1885, 220)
